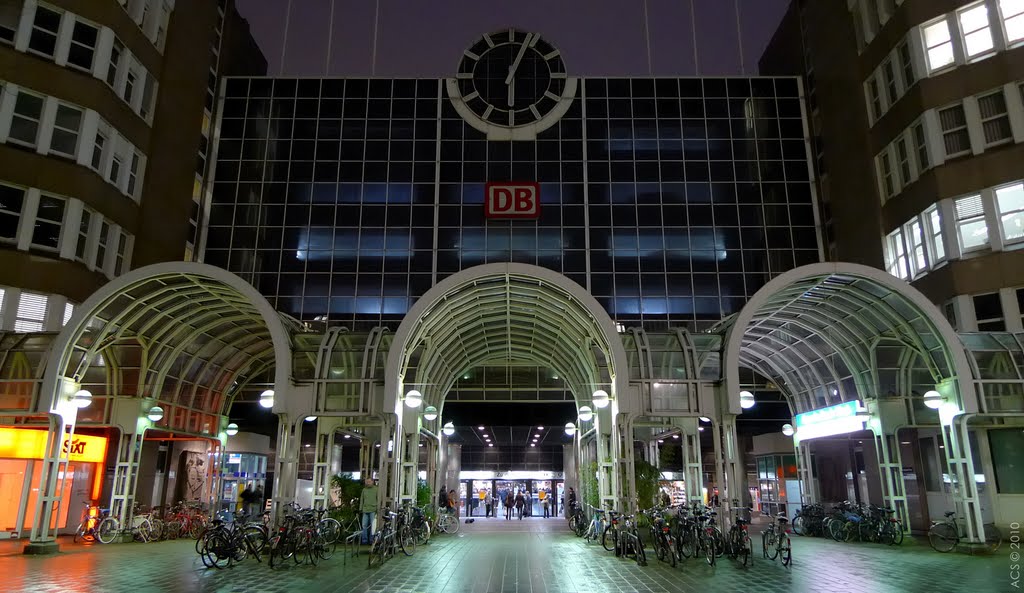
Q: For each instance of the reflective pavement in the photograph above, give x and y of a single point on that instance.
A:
(492, 555)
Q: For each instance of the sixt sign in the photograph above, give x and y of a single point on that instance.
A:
(512, 200)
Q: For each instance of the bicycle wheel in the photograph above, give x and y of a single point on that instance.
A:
(330, 529)
(784, 549)
(422, 532)
(660, 549)
(80, 533)
(275, 553)
(219, 551)
(850, 531)
(641, 555)
(608, 539)
(748, 550)
(993, 537)
(257, 537)
(407, 541)
(897, 533)
(768, 545)
(107, 530)
(173, 529)
(943, 537)
(718, 541)
(376, 557)
(798, 525)
(326, 549)
(313, 542)
(673, 558)
(709, 549)
(867, 531)
(837, 530)
(144, 532)
(686, 545)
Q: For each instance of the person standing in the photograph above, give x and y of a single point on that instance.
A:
(520, 503)
(508, 505)
(528, 504)
(245, 499)
(544, 502)
(368, 506)
(572, 500)
(257, 502)
(453, 503)
(483, 500)
(488, 503)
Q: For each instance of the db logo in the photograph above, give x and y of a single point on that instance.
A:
(512, 200)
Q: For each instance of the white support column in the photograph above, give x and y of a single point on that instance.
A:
(883, 425)
(287, 463)
(809, 491)
(122, 499)
(43, 537)
(326, 427)
(961, 472)
(691, 456)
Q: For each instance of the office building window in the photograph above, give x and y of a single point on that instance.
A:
(1010, 200)
(69, 310)
(12, 199)
(44, 31)
(896, 255)
(81, 248)
(10, 15)
(133, 174)
(988, 311)
(129, 86)
(31, 313)
(83, 45)
(933, 220)
(974, 24)
(122, 252)
(903, 156)
(921, 147)
(1013, 19)
(874, 98)
(889, 76)
(906, 65)
(116, 54)
(888, 179)
(48, 222)
(28, 110)
(147, 96)
(115, 169)
(97, 151)
(995, 122)
(1020, 303)
(65, 130)
(938, 45)
(101, 245)
(954, 131)
(915, 239)
(970, 223)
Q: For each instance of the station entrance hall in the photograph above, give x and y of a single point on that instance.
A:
(511, 329)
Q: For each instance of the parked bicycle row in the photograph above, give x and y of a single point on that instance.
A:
(849, 521)
(181, 520)
(677, 533)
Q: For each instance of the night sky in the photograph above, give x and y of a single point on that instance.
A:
(424, 38)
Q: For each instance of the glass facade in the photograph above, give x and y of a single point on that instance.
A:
(671, 200)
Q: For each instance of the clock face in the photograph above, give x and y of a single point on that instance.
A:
(512, 79)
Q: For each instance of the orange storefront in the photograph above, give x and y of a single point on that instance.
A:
(21, 454)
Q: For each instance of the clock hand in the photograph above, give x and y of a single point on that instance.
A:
(519, 58)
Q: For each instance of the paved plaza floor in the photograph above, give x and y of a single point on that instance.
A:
(494, 555)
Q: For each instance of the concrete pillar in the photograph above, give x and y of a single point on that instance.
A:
(43, 539)
(454, 467)
(957, 448)
(286, 474)
(689, 444)
(569, 466)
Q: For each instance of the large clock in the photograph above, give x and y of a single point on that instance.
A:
(512, 85)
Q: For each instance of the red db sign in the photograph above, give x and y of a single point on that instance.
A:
(512, 200)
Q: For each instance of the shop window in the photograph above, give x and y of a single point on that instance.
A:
(988, 311)
(28, 110)
(938, 45)
(995, 122)
(975, 28)
(970, 223)
(65, 130)
(1013, 19)
(83, 45)
(44, 31)
(1010, 200)
(11, 201)
(31, 315)
(10, 16)
(954, 131)
(1007, 446)
(933, 221)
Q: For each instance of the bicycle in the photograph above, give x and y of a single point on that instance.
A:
(597, 526)
(447, 522)
(227, 543)
(775, 540)
(384, 543)
(99, 527)
(661, 538)
(945, 535)
(629, 542)
(737, 542)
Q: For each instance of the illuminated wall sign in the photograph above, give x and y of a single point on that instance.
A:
(512, 200)
(20, 443)
(839, 419)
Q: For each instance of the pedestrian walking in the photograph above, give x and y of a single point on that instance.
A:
(489, 503)
(453, 503)
(509, 503)
(544, 503)
(520, 503)
(528, 504)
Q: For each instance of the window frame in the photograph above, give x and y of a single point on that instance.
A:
(1001, 214)
(38, 122)
(58, 129)
(16, 215)
(35, 27)
(21, 318)
(960, 223)
(964, 33)
(61, 224)
(19, 7)
(1017, 17)
(73, 43)
(932, 222)
(964, 128)
(932, 69)
(1005, 115)
(896, 255)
